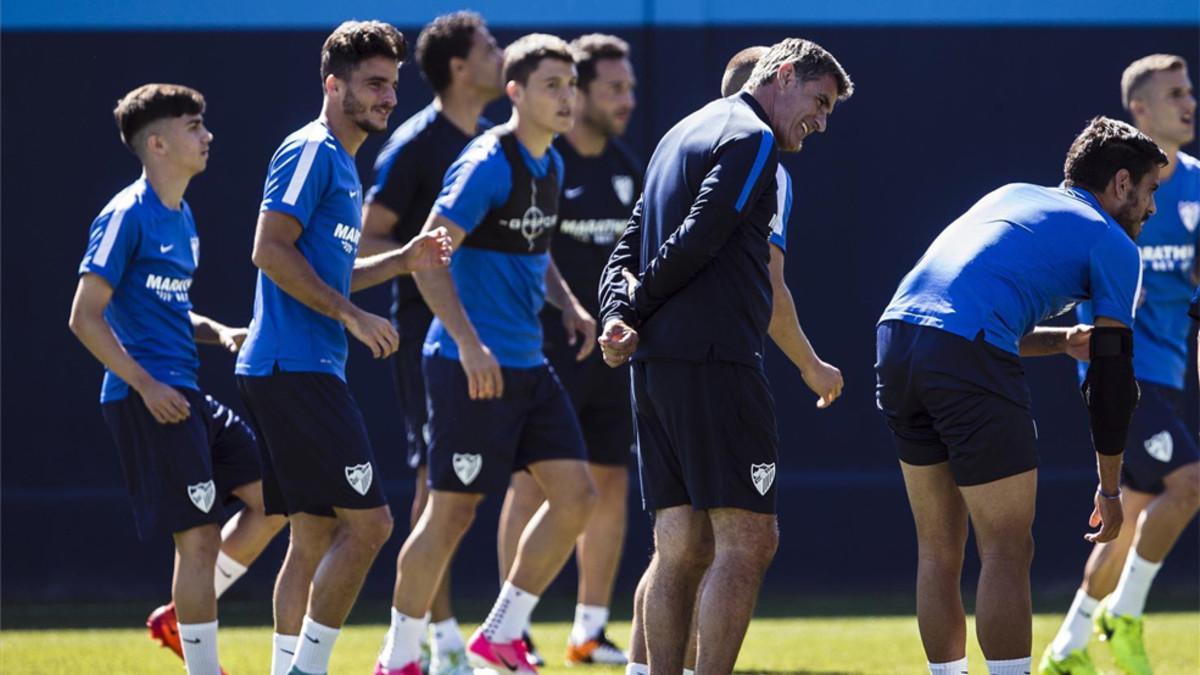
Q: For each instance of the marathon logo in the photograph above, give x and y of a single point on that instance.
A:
(1168, 257)
(600, 231)
(169, 289)
(349, 237)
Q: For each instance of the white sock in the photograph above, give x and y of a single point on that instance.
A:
(314, 647)
(1130, 597)
(958, 667)
(282, 653)
(228, 571)
(1010, 667)
(589, 622)
(425, 631)
(200, 648)
(688, 671)
(637, 669)
(509, 615)
(447, 636)
(403, 642)
(1076, 628)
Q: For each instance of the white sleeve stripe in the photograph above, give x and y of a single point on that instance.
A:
(301, 174)
(110, 237)
(782, 187)
(1137, 291)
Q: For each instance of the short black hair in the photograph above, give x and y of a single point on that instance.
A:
(592, 48)
(524, 56)
(356, 41)
(1105, 147)
(738, 70)
(811, 61)
(446, 37)
(152, 102)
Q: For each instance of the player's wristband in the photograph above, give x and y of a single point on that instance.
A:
(1105, 495)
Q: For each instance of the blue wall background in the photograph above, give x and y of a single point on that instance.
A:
(953, 99)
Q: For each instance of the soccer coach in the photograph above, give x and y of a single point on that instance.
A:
(687, 295)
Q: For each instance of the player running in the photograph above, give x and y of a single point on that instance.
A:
(320, 469)
(602, 180)
(693, 313)
(953, 392)
(461, 61)
(1160, 477)
(184, 455)
(484, 363)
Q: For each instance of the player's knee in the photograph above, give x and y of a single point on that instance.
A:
(1016, 549)
(1183, 486)
(371, 529)
(200, 544)
(575, 505)
(752, 549)
(941, 555)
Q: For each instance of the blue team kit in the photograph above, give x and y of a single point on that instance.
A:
(291, 369)
(507, 202)
(177, 475)
(1020, 255)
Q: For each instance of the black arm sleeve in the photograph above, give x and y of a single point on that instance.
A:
(1110, 390)
(615, 302)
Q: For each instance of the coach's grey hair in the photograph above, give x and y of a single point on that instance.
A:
(810, 60)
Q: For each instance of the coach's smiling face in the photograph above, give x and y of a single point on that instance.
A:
(800, 107)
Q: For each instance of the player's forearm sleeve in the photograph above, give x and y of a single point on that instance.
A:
(614, 298)
(744, 168)
(1110, 390)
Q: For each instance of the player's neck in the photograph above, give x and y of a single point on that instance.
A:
(168, 183)
(586, 139)
(349, 134)
(462, 107)
(536, 139)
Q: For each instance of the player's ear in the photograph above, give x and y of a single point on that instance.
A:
(1122, 182)
(331, 84)
(514, 91)
(785, 74)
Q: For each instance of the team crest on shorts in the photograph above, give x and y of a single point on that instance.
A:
(467, 467)
(1189, 213)
(1160, 446)
(763, 476)
(203, 495)
(359, 477)
(623, 186)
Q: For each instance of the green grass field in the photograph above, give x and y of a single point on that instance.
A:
(794, 646)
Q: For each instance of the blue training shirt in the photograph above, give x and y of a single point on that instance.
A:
(147, 253)
(501, 293)
(1020, 255)
(1168, 247)
(313, 179)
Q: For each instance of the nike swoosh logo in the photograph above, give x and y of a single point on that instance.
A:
(192, 642)
(287, 652)
(353, 194)
(222, 571)
(510, 666)
(164, 249)
(572, 193)
(1086, 616)
(312, 639)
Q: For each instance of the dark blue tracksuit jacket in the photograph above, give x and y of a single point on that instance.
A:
(698, 240)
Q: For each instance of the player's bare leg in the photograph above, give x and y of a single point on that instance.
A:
(683, 551)
(248, 532)
(598, 550)
(357, 538)
(689, 654)
(1002, 515)
(427, 552)
(637, 634)
(441, 608)
(311, 537)
(522, 500)
(1164, 519)
(940, 515)
(192, 588)
(548, 539)
(744, 544)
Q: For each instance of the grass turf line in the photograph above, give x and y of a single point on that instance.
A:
(815, 646)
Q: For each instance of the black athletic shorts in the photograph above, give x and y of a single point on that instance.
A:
(706, 435)
(179, 475)
(315, 450)
(947, 398)
(600, 396)
(1159, 440)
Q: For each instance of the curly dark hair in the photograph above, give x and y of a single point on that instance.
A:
(1105, 147)
(446, 37)
(592, 48)
(356, 41)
